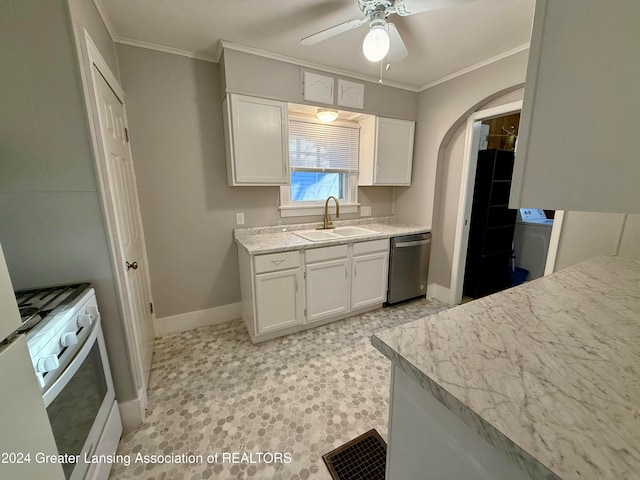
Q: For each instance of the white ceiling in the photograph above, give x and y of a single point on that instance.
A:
(441, 42)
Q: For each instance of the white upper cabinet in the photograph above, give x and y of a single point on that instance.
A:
(576, 148)
(256, 140)
(386, 151)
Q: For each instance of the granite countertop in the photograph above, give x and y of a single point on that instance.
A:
(548, 372)
(280, 238)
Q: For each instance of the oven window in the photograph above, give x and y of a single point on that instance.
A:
(74, 410)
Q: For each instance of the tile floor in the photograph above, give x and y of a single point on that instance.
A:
(212, 391)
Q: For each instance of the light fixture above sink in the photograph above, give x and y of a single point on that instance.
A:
(327, 115)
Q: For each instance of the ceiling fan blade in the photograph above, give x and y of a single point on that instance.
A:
(397, 49)
(333, 31)
(410, 7)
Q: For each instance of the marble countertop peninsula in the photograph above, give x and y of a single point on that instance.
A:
(548, 372)
(260, 240)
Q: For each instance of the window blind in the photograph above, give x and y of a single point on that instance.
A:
(323, 146)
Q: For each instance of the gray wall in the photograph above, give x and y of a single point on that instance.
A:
(269, 78)
(51, 224)
(447, 195)
(586, 234)
(441, 109)
(188, 211)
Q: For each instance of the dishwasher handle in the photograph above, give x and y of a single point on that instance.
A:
(412, 244)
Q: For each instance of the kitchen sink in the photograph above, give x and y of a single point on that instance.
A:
(333, 234)
(353, 231)
(315, 235)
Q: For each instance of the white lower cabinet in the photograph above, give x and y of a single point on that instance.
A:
(327, 289)
(289, 291)
(369, 279)
(278, 300)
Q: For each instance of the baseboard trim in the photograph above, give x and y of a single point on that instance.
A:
(131, 412)
(441, 293)
(197, 319)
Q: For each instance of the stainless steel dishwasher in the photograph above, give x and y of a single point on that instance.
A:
(408, 267)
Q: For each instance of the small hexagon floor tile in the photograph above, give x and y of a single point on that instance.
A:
(212, 391)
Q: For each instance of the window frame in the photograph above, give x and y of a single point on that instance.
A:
(291, 208)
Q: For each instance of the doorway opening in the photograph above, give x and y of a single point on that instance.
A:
(496, 247)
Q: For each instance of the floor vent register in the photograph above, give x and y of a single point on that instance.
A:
(363, 458)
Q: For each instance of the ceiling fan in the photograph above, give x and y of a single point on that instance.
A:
(383, 38)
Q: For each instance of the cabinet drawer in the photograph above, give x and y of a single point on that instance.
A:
(325, 253)
(276, 261)
(371, 246)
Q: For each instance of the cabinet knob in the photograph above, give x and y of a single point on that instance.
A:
(132, 266)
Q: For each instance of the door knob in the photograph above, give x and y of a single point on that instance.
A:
(133, 265)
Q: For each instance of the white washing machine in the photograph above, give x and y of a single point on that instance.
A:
(531, 241)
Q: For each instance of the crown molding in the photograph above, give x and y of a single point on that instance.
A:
(165, 49)
(302, 63)
(105, 19)
(224, 44)
(477, 66)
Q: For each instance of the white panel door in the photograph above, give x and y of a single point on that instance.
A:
(394, 151)
(260, 143)
(278, 300)
(125, 216)
(327, 288)
(369, 279)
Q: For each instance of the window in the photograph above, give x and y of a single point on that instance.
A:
(323, 161)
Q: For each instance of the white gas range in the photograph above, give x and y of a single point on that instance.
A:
(65, 341)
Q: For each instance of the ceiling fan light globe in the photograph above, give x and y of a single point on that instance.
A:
(376, 44)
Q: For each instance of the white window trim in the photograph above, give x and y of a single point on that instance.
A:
(301, 209)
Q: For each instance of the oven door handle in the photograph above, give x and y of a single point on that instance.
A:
(72, 366)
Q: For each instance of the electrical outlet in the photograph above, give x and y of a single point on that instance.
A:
(239, 218)
(365, 211)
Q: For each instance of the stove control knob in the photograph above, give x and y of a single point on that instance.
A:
(84, 321)
(47, 363)
(68, 339)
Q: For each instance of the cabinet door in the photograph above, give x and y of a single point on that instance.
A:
(369, 279)
(278, 300)
(257, 141)
(394, 151)
(327, 288)
(576, 148)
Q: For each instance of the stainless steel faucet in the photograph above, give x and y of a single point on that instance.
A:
(327, 223)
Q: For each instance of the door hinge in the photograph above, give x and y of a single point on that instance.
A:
(151, 307)
(304, 275)
(305, 312)
(126, 134)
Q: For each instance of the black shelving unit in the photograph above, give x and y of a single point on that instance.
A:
(492, 225)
